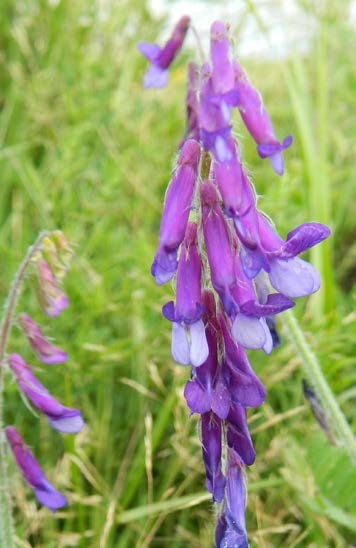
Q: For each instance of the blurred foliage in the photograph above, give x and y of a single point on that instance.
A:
(84, 149)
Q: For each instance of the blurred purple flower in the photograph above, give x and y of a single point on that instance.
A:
(161, 59)
(52, 298)
(45, 350)
(61, 418)
(33, 473)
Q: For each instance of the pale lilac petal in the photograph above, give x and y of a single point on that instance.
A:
(277, 162)
(294, 277)
(222, 151)
(199, 350)
(150, 51)
(180, 344)
(155, 77)
(248, 331)
(69, 425)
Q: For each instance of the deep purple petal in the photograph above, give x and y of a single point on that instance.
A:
(301, 238)
(253, 260)
(275, 304)
(220, 401)
(197, 398)
(238, 435)
(168, 311)
(245, 387)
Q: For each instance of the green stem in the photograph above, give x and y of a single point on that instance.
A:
(7, 531)
(315, 375)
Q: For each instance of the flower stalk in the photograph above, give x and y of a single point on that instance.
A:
(7, 532)
(316, 377)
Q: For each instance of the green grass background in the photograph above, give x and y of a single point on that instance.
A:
(83, 148)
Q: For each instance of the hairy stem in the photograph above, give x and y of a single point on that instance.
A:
(315, 375)
(7, 532)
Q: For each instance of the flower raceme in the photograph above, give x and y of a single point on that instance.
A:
(234, 273)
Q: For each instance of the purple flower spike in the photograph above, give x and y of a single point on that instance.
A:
(211, 440)
(258, 122)
(207, 391)
(221, 253)
(176, 212)
(33, 473)
(161, 59)
(52, 298)
(188, 311)
(46, 351)
(223, 75)
(61, 418)
(231, 527)
(238, 435)
(243, 384)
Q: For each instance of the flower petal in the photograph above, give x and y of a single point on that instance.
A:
(150, 51)
(155, 77)
(294, 277)
(180, 344)
(248, 331)
(199, 350)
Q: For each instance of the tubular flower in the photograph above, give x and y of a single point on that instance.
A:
(45, 350)
(61, 418)
(235, 273)
(188, 311)
(33, 473)
(161, 59)
(176, 212)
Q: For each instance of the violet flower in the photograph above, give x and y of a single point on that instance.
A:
(211, 441)
(238, 436)
(258, 122)
(161, 59)
(52, 298)
(249, 327)
(207, 391)
(187, 314)
(45, 350)
(218, 241)
(288, 273)
(244, 386)
(61, 418)
(231, 527)
(176, 212)
(33, 473)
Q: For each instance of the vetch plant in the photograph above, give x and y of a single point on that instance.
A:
(47, 261)
(234, 273)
